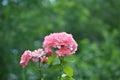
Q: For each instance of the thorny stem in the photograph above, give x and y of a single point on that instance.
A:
(41, 70)
(61, 68)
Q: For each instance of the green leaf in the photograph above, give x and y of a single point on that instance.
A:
(67, 78)
(51, 59)
(54, 67)
(71, 78)
(65, 62)
(68, 70)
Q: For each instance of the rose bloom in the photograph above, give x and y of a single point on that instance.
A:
(36, 54)
(64, 43)
(48, 51)
(25, 58)
(44, 59)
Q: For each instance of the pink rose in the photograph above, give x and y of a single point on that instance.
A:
(44, 59)
(63, 52)
(36, 54)
(25, 58)
(48, 51)
(63, 42)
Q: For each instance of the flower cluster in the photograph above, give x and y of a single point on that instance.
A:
(35, 56)
(62, 42)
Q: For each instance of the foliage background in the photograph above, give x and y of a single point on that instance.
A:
(95, 25)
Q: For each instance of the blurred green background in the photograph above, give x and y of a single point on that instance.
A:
(95, 25)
